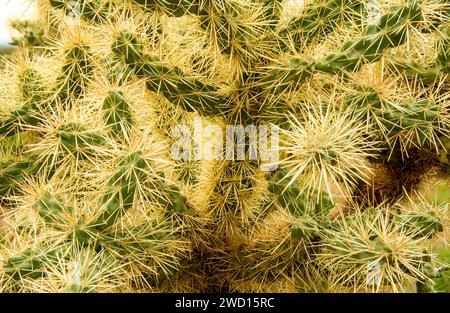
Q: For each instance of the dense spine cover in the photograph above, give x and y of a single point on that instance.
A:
(94, 201)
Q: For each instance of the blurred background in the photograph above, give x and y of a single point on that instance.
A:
(10, 11)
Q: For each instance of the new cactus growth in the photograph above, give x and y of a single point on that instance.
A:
(226, 145)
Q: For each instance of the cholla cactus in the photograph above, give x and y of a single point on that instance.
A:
(95, 197)
(30, 33)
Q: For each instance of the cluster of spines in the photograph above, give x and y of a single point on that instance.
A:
(235, 38)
